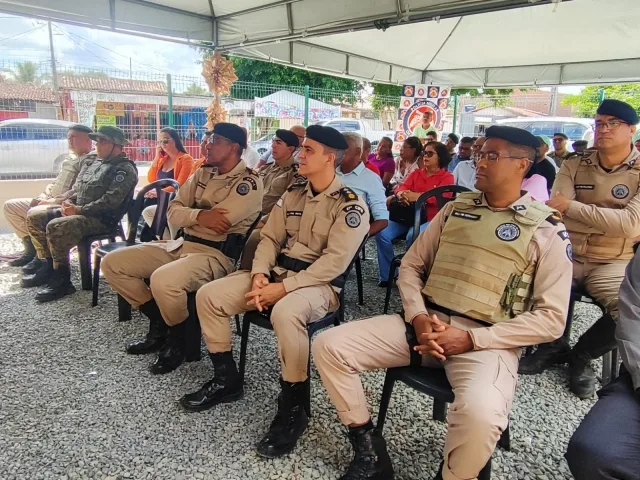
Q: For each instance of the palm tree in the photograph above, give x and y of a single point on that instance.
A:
(26, 72)
(195, 89)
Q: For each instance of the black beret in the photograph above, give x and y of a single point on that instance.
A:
(80, 128)
(232, 132)
(514, 135)
(288, 137)
(618, 109)
(560, 134)
(328, 136)
(580, 143)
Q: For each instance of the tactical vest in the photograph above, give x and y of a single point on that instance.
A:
(481, 269)
(608, 190)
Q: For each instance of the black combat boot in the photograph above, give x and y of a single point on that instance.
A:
(224, 387)
(28, 254)
(157, 331)
(40, 277)
(171, 355)
(33, 266)
(370, 460)
(58, 286)
(289, 423)
(594, 343)
(545, 356)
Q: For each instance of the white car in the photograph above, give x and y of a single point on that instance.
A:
(32, 146)
(574, 128)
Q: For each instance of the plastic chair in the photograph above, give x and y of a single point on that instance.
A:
(262, 319)
(133, 215)
(432, 382)
(84, 252)
(441, 200)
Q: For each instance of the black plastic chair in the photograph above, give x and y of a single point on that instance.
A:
(133, 215)
(432, 382)
(262, 319)
(441, 200)
(84, 252)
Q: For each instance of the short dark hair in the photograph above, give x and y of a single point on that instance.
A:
(366, 143)
(444, 157)
(386, 139)
(473, 139)
(466, 140)
(560, 134)
(454, 138)
(415, 143)
(175, 136)
(432, 133)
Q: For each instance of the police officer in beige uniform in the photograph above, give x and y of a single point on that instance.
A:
(216, 207)
(276, 177)
(599, 198)
(498, 273)
(312, 234)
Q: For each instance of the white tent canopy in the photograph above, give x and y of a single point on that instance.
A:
(472, 43)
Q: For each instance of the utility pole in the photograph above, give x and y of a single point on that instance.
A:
(54, 72)
(553, 106)
(130, 74)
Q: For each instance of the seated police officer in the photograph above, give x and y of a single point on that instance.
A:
(598, 196)
(489, 275)
(607, 443)
(312, 234)
(97, 201)
(216, 208)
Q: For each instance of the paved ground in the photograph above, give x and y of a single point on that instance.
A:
(74, 405)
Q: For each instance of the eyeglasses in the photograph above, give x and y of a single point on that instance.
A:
(611, 124)
(429, 153)
(163, 142)
(217, 139)
(491, 157)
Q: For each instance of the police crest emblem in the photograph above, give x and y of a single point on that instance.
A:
(508, 232)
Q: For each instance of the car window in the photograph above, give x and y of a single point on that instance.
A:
(43, 131)
(350, 126)
(15, 131)
(575, 131)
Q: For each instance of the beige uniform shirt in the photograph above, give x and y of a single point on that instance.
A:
(549, 252)
(69, 169)
(605, 203)
(239, 191)
(325, 229)
(276, 179)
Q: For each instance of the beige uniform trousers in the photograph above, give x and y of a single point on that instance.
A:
(172, 275)
(483, 381)
(219, 300)
(601, 281)
(15, 211)
(249, 250)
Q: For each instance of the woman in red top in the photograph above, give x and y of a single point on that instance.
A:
(433, 174)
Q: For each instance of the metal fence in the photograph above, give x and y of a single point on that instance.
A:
(36, 106)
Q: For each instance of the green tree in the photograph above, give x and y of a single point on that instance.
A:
(195, 89)
(586, 102)
(26, 72)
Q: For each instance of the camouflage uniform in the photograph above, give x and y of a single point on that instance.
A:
(102, 190)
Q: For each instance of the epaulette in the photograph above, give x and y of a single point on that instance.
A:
(298, 184)
(252, 171)
(348, 194)
(295, 166)
(554, 219)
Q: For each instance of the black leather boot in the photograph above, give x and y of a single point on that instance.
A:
(371, 460)
(546, 355)
(28, 254)
(157, 331)
(594, 343)
(33, 266)
(171, 355)
(289, 423)
(59, 285)
(40, 277)
(224, 387)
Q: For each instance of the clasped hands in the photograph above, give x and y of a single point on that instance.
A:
(264, 294)
(439, 339)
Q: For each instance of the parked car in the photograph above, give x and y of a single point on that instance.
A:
(357, 125)
(263, 143)
(32, 146)
(574, 128)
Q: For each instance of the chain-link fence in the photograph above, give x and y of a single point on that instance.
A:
(36, 107)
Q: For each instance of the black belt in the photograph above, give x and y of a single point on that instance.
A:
(202, 241)
(295, 265)
(451, 313)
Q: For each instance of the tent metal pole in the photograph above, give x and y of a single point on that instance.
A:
(170, 100)
(306, 105)
(455, 113)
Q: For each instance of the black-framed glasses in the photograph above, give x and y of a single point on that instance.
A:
(611, 124)
(429, 153)
(491, 157)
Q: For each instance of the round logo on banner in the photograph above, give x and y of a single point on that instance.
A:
(444, 92)
(420, 92)
(408, 90)
(433, 92)
(413, 116)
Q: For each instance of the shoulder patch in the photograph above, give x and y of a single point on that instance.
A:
(297, 184)
(243, 188)
(279, 202)
(252, 181)
(554, 219)
(563, 234)
(120, 176)
(353, 208)
(252, 171)
(348, 194)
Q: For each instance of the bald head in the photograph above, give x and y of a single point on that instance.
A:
(299, 130)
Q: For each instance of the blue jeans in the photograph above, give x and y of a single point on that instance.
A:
(385, 249)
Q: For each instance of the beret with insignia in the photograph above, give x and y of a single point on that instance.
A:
(288, 137)
(232, 132)
(327, 136)
(514, 135)
(618, 109)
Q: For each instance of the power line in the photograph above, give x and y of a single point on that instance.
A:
(86, 49)
(20, 34)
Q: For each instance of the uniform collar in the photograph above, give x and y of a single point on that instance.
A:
(357, 171)
(240, 168)
(630, 161)
(333, 190)
(521, 205)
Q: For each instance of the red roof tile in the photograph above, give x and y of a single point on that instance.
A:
(16, 91)
(108, 84)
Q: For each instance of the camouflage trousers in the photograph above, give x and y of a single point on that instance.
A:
(54, 235)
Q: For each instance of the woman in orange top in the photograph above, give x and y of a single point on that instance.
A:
(172, 160)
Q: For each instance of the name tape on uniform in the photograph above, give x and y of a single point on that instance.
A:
(466, 216)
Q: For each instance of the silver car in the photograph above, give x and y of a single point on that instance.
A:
(32, 146)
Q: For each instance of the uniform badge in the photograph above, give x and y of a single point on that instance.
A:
(351, 208)
(620, 191)
(242, 189)
(570, 252)
(508, 232)
(477, 201)
(120, 176)
(563, 234)
(353, 219)
(519, 208)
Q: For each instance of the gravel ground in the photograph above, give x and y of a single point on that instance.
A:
(74, 405)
